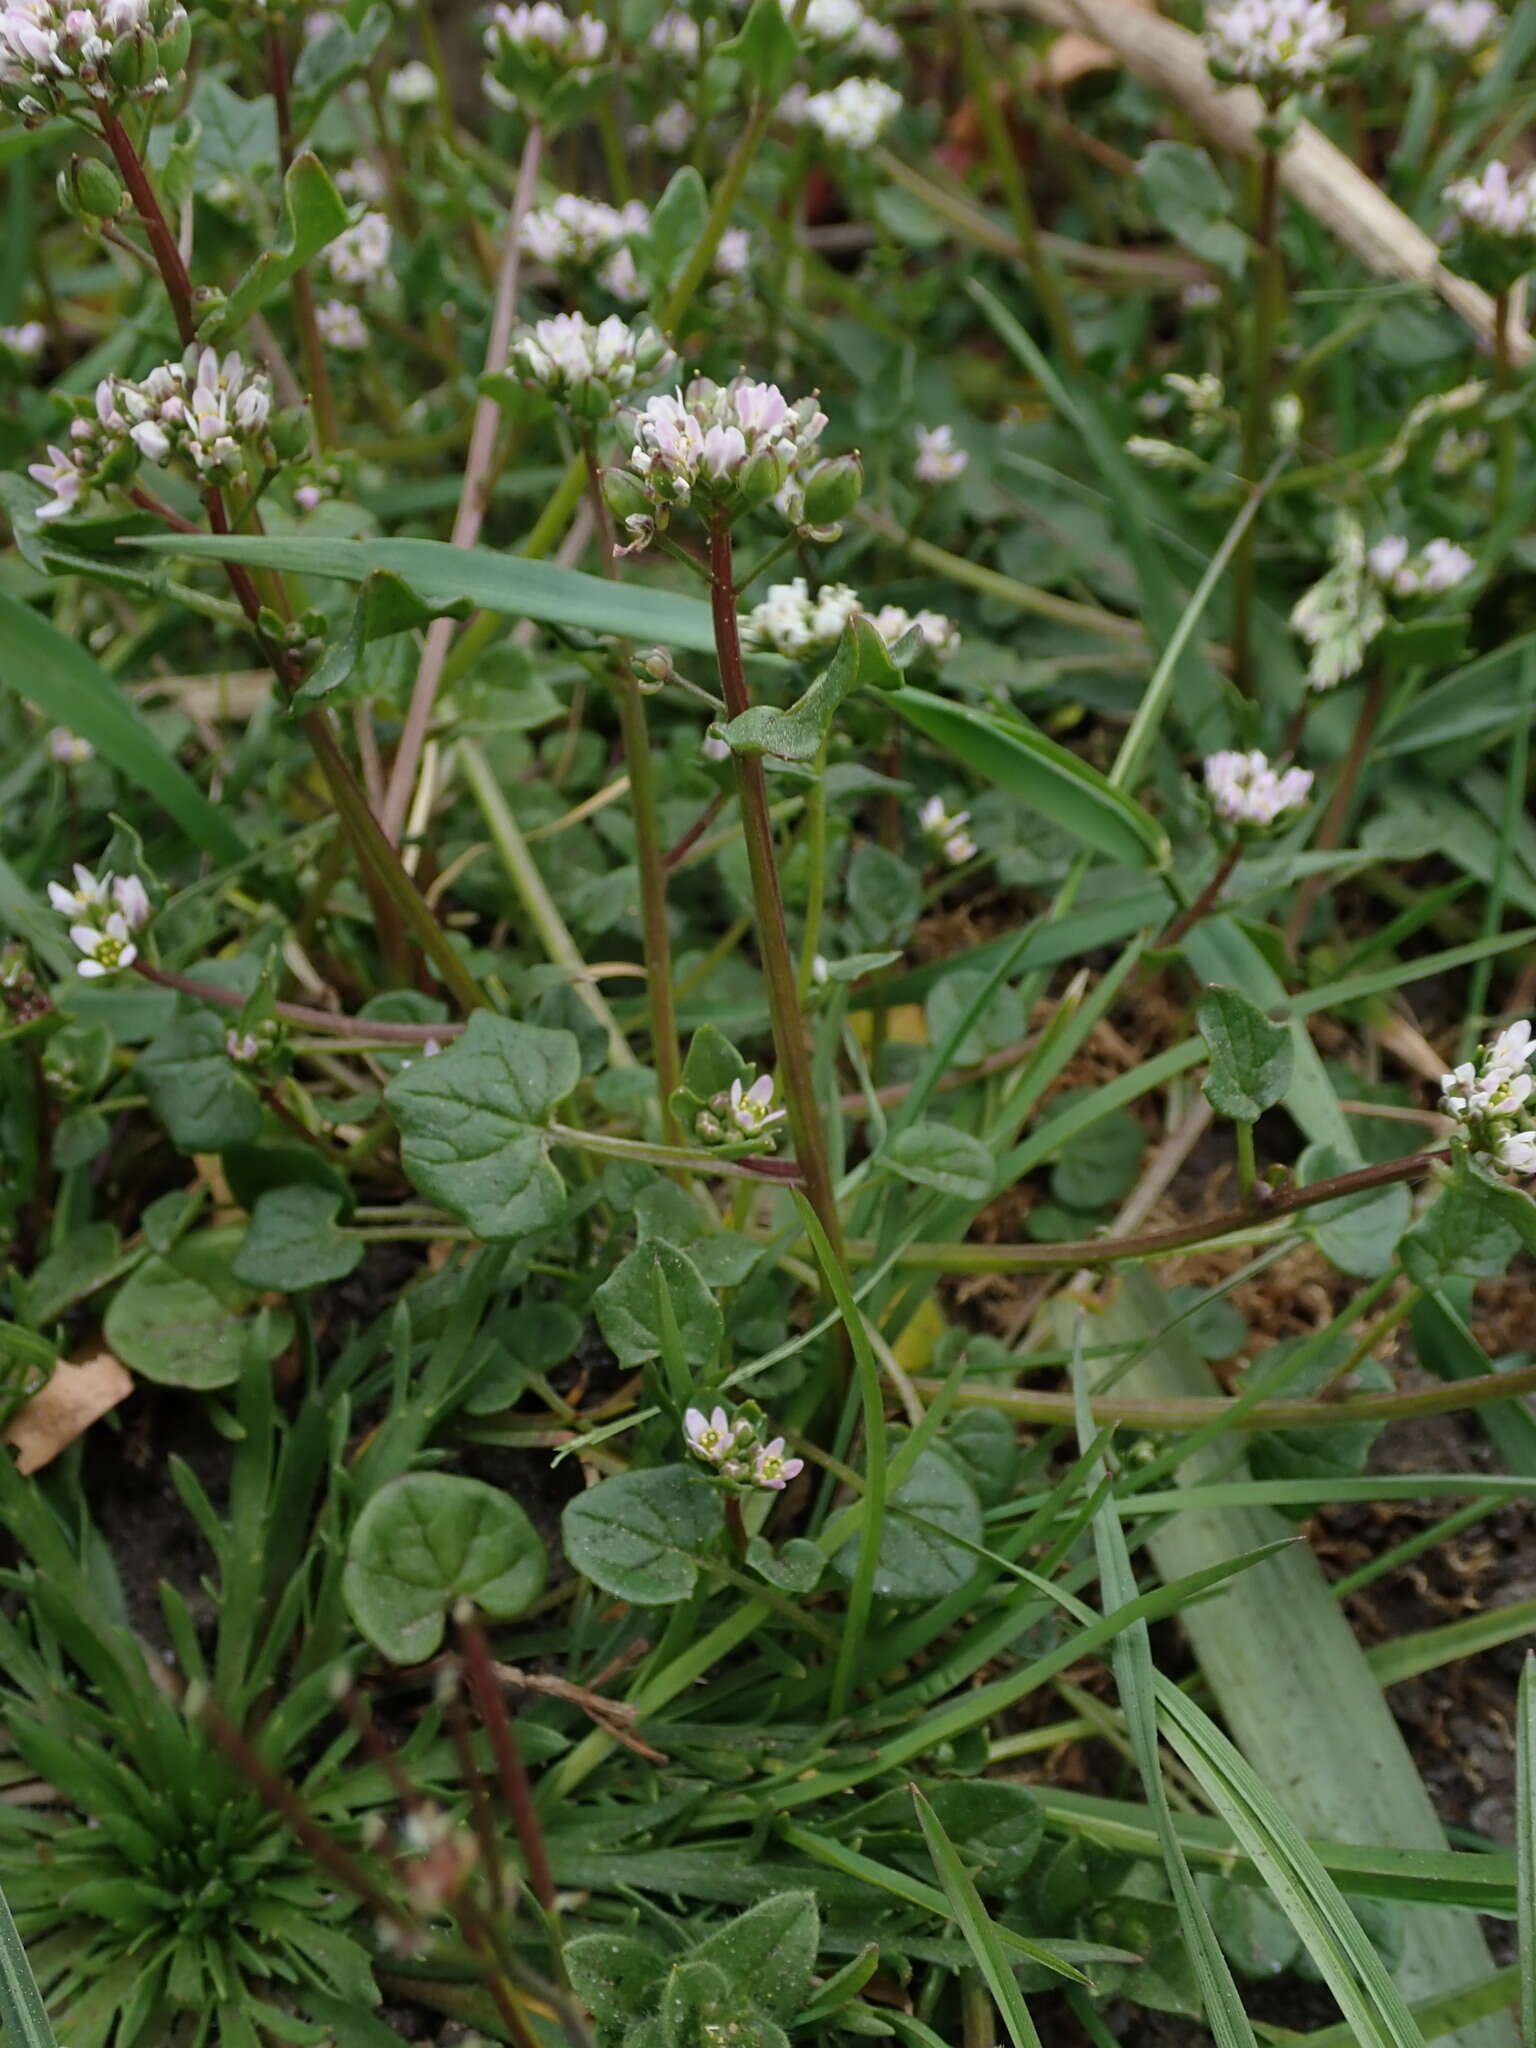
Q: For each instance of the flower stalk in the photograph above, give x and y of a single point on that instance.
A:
(1255, 428)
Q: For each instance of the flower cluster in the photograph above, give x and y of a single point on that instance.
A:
(938, 460)
(1248, 792)
(1495, 203)
(584, 367)
(573, 233)
(1490, 1098)
(69, 749)
(844, 24)
(1463, 25)
(1342, 613)
(1437, 568)
(25, 343)
(360, 254)
(341, 327)
(108, 48)
(946, 832)
(940, 636)
(793, 622)
(104, 912)
(852, 115)
(1280, 46)
(538, 53)
(743, 1117)
(413, 85)
(208, 412)
(724, 448)
(735, 1447)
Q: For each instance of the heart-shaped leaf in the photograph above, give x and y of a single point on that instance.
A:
(1251, 1056)
(639, 1535)
(425, 1542)
(294, 1243)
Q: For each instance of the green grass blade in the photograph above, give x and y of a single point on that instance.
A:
(60, 678)
(500, 583)
(21, 2003)
(976, 1926)
(1369, 2000)
(1135, 1676)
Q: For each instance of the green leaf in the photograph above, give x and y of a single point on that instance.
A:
(980, 1935)
(182, 1319)
(1049, 778)
(769, 1953)
(629, 1316)
(1187, 195)
(764, 46)
(1359, 1233)
(1101, 1164)
(425, 1542)
(940, 1157)
(676, 223)
(884, 895)
(384, 605)
(796, 1568)
(491, 581)
(1525, 1841)
(293, 1243)
(639, 1535)
(1463, 1232)
(204, 1100)
(471, 1118)
(798, 734)
(916, 1560)
(616, 1977)
(58, 676)
(1251, 1057)
(314, 213)
(338, 53)
(21, 2003)
(237, 137)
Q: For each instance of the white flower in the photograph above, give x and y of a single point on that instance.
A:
(771, 1469)
(46, 45)
(1464, 25)
(790, 621)
(1490, 1096)
(945, 832)
(677, 35)
(362, 180)
(712, 1436)
(1277, 45)
(360, 254)
(1343, 612)
(733, 253)
(714, 749)
(752, 1110)
(540, 30)
(1246, 790)
(243, 1047)
(27, 341)
(938, 460)
(576, 232)
(728, 445)
(308, 496)
(1438, 567)
(587, 367)
(70, 751)
(1495, 203)
(86, 898)
(342, 327)
(821, 971)
(940, 636)
(104, 949)
(670, 131)
(62, 475)
(132, 901)
(413, 84)
(854, 114)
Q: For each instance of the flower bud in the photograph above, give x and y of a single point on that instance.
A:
(89, 190)
(833, 489)
(134, 60)
(176, 43)
(760, 477)
(624, 494)
(289, 432)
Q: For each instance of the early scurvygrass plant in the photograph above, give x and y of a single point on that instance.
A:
(915, 802)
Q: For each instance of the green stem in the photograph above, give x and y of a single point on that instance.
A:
(1247, 1173)
(766, 1172)
(1267, 286)
(816, 865)
(773, 940)
(1505, 445)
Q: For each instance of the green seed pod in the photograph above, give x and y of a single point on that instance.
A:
(833, 489)
(89, 190)
(133, 61)
(624, 494)
(289, 431)
(761, 477)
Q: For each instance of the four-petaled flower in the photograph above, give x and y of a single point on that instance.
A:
(946, 832)
(938, 460)
(752, 1110)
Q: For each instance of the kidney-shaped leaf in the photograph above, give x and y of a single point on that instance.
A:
(471, 1121)
(639, 1535)
(1047, 777)
(424, 1543)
